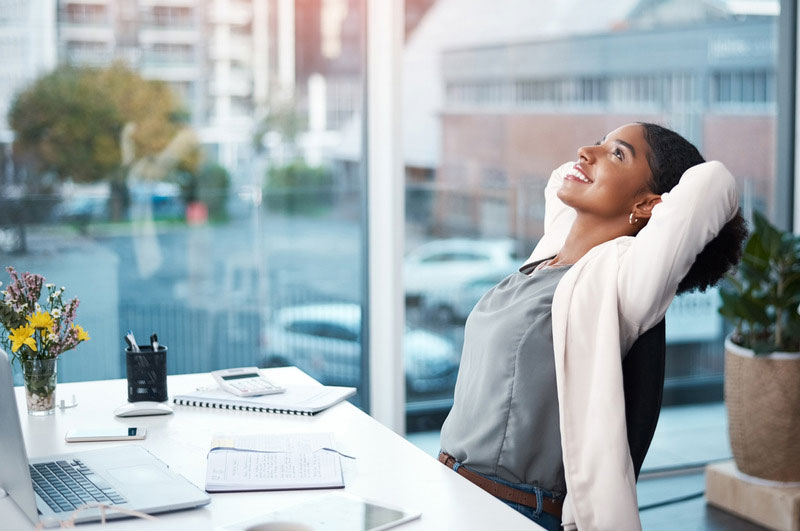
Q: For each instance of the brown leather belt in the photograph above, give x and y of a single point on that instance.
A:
(502, 491)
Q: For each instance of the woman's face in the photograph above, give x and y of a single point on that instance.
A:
(611, 176)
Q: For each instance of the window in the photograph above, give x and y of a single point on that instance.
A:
(170, 53)
(188, 193)
(78, 13)
(87, 53)
(743, 88)
(171, 16)
(516, 102)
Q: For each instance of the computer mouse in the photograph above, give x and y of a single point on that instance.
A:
(141, 409)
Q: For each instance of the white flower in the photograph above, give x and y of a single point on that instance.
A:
(52, 338)
(56, 293)
(48, 286)
(3, 293)
(62, 289)
(56, 313)
(37, 307)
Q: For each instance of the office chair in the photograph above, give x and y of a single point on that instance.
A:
(643, 382)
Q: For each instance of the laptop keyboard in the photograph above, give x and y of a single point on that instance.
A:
(66, 485)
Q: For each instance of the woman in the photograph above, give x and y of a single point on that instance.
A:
(538, 416)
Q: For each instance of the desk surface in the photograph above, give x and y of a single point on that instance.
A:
(387, 468)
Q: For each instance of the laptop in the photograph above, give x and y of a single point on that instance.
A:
(49, 489)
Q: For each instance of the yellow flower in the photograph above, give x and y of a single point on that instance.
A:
(41, 320)
(22, 336)
(82, 334)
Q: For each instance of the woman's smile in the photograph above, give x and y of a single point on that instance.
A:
(577, 174)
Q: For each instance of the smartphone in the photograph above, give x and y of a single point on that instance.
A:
(110, 433)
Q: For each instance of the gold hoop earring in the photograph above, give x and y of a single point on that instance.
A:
(632, 219)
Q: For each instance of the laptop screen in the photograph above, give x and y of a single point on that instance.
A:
(15, 477)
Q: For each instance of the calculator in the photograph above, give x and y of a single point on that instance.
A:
(245, 381)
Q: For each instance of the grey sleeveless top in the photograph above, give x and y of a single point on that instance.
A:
(504, 420)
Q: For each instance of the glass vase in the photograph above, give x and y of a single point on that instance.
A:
(40, 386)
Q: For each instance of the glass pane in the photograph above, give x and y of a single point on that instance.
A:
(192, 169)
(476, 170)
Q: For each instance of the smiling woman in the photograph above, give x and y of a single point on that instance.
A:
(617, 173)
(627, 226)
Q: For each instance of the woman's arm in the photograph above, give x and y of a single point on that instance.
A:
(558, 217)
(687, 218)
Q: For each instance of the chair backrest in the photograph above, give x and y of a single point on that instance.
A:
(643, 380)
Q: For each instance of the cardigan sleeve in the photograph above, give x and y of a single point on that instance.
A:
(558, 217)
(681, 225)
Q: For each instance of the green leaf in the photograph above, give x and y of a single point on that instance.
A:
(754, 269)
(755, 309)
(755, 249)
(731, 306)
(730, 314)
(769, 235)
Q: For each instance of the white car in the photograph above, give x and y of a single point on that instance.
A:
(441, 306)
(447, 266)
(324, 340)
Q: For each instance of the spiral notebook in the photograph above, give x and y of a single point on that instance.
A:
(296, 400)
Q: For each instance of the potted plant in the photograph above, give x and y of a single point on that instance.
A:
(762, 355)
(36, 335)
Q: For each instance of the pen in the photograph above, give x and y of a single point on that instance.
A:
(154, 342)
(132, 342)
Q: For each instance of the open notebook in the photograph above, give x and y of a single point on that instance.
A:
(273, 462)
(296, 400)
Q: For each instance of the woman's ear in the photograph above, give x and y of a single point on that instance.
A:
(644, 208)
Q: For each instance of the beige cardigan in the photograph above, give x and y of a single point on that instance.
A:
(616, 292)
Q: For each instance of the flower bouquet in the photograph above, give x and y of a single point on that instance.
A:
(37, 334)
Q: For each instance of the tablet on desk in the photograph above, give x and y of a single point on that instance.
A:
(332, 512)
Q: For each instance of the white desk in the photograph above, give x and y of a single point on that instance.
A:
(387, 468)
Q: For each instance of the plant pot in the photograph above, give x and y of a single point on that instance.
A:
(762, 396)
(40, 386)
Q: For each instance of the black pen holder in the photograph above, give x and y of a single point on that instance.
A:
(147, 374)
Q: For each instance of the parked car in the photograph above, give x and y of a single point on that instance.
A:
(448, 265)
(84, 203)
(325, 341)
(442, 306)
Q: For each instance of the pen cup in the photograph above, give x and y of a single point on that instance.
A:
(147, 374)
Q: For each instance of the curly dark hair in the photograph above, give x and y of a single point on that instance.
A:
(670, 156)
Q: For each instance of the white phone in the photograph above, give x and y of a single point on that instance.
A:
(109, 433)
